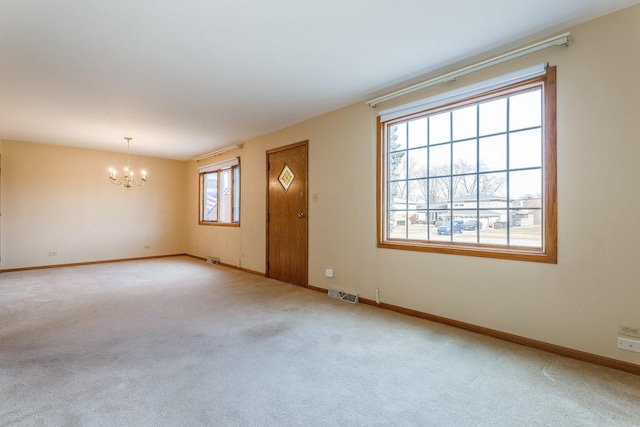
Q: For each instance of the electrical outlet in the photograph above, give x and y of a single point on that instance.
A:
(629, 330)
(629, 345)
(328, 272)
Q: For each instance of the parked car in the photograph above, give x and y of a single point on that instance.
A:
(471, 224)
(447, 228)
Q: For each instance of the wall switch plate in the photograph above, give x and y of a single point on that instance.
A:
(328, 272)
(628, 344)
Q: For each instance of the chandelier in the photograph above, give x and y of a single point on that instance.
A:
(128, 180)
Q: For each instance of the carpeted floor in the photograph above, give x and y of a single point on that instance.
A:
(175, 341)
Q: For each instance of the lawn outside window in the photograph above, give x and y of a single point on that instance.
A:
(473, 176)
(219, 196)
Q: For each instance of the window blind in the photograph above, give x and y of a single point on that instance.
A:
(219, 165)
(461, 93)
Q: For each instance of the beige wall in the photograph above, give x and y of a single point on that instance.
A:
(59, 199)
(577, 303)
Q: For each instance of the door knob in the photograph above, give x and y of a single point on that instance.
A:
(300, 215)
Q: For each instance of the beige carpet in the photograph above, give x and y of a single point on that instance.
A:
(177, 342)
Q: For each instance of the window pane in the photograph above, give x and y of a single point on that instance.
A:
(398, 137)
(398, 224)
(493, 190)
(398, 195)
(495, 232)
(417, 225)
(435, 220)
(525, 149)
(526, 227)
(465, 123)
(440, 128)
(493, 117)
(464, 157)
(493, 153)
(397, 166)
(422, 224)
(440, 160)
(471, 226)
(458, 221)
(418, 133)
(210, 203)
(418, 163)
(524, 185)
(418, 193)
(525, 110)
(440, 191)
(225, 196)
(236, 194)
(442, 228)
(465, 190)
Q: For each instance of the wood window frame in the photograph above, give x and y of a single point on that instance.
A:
(548, 253)
(232, 191)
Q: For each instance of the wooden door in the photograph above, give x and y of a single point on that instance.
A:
(287, 208)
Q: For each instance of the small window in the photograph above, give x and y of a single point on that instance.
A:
(220, 193)
(475, 176)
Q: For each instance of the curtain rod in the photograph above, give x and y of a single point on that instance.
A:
(217, 152)
(561, 40)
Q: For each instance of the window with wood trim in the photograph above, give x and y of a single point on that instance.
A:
(476, 176)
(220, 193)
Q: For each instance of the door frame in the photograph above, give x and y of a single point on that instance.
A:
(306, 190)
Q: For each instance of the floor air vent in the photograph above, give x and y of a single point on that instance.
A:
(345, 296)
(212, 260)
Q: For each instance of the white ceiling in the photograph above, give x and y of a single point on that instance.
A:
(185, 77)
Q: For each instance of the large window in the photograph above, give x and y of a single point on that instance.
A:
(220, 193)
(476, 176)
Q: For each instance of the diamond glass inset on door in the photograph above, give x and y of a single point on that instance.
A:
(286, 177)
